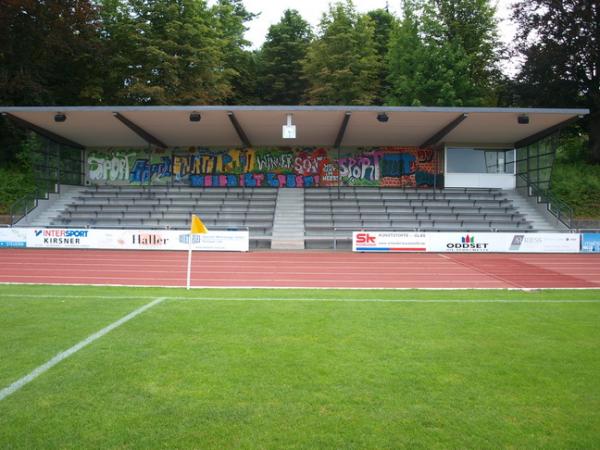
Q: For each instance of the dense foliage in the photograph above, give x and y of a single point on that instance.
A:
(17, 179)
(342, 65)
(560, 44)
(280, 76)
(574, 180)
(578, 185)
(444, 53)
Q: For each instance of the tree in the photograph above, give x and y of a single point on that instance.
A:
(165, 51)
(471, 25)
(560, 44)
(342, 65)
(50, 52)
(444, 53)
(383, 22)
(280, 79)
(238, 63)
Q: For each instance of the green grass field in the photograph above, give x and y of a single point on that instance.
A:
(301, 369)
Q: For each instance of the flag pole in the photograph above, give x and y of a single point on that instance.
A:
(189, 264)
(196, 227)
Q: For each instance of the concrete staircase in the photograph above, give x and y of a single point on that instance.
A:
(288, 224)
(535, 213)
(49, 210)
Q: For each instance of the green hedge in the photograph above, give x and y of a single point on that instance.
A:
(578, 184)
(14, 184)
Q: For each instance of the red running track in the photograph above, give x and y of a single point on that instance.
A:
(301, 269)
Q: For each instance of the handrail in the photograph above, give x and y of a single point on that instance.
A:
(15, 208)
(20, 207)
(558, 208)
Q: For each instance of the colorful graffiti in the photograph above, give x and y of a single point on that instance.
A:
(107, 167)
(128, 167)
(146, 170)
(266, 167)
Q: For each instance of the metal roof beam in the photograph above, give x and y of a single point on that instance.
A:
(139, 131)
(43, 132)
(342, 130)
(437, 137)
(238, 129)
(544, 133)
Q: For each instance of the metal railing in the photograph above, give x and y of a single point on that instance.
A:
(24, 205)
(559, 209)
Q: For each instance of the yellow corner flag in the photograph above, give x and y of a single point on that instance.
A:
(198, 226)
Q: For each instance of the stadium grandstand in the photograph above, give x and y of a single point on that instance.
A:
(295, 177)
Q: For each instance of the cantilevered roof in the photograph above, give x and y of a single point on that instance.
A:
(315, 125)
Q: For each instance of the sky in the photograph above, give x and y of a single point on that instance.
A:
(312, 10)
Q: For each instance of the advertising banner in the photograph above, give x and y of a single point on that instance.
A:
(546, 242)
(466, 242)
(13, 237)
(60, 237)
(590, 242)
(216, 240)
(503, 242)
(388, 242)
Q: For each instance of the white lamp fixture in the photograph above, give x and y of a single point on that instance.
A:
(289, 130)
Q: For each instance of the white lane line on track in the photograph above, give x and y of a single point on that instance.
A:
(308, 288)
(303, 299)
(63, 355)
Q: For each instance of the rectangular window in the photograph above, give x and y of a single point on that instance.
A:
(480, 160)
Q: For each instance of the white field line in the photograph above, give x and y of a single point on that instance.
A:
(63, 355)
(302, 299)
(307, 288)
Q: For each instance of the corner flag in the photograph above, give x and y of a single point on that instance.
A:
(197, 228)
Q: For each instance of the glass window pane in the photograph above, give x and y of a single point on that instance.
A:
(545, 174)
(491, 162)
(509, 156)
(509, 168)
(466, 160)
(533, 163)
(474, 160)
(534, 176)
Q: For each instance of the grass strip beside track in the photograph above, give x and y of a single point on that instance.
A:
(149, 293)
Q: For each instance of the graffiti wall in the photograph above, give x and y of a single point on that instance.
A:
(128, 167)
(266, 167)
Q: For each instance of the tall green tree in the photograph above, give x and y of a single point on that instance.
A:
(444, 52)
(560, 44)
(280, 79)
(342, 64)
(50, 52)
(384, 23)
(238, 62)
(471, 25)
(165, 51)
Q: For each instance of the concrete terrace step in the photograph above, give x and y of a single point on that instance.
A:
(534, 213)
(49, 210)
(288, 223)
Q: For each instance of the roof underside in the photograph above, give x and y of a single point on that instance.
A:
(316, 126)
